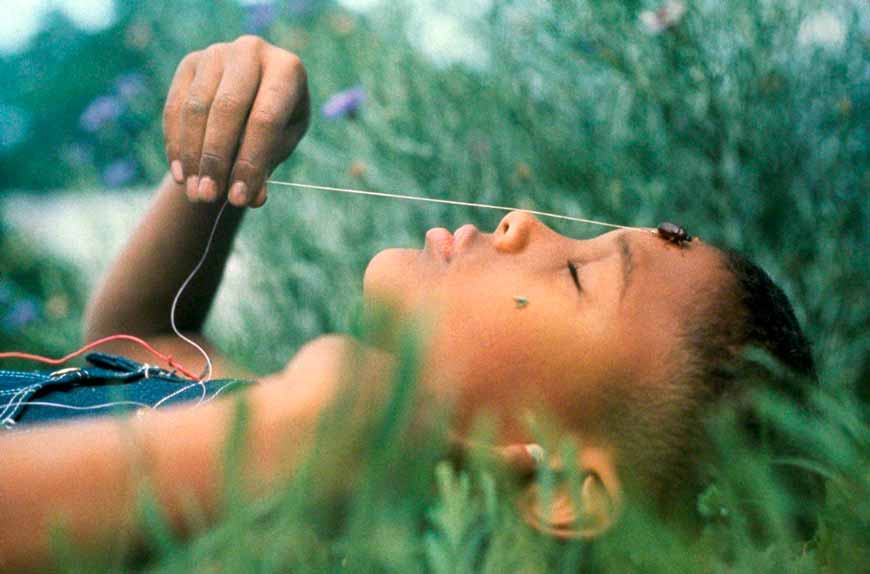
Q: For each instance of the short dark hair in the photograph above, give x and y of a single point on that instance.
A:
(766, 320)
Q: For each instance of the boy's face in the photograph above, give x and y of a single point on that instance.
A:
(512, 331)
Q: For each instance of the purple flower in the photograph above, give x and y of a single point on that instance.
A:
(23, 312)
(130, 85)
(119, 172)
(344, 104)
(101, 111)
(259, 16)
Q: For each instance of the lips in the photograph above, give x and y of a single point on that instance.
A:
(464, 236)
(439, 241)
(445, 245)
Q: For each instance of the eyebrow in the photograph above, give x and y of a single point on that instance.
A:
(627, 258)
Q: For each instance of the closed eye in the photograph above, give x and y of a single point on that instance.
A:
(575, 275)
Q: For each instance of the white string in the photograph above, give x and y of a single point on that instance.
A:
(23, 392)
(201, 382)
(208, 370)
(19, 396)
(87, 408)
(450, 202)
(11, 404)
(181, 390)
(20, 393)
(220, 390)
(208, 366)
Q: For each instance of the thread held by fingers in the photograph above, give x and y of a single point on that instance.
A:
(206, 375)
(449, 202)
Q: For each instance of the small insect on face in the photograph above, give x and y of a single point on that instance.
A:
(673, 233)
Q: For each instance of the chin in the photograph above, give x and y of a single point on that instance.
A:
(391, 276)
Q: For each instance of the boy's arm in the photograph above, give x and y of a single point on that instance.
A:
(234, 111)
(137, 293)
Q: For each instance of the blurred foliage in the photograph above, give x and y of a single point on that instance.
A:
(739, 120)
(50, 88)
(40, 301)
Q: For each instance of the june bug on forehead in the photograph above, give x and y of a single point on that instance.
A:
(673, 233)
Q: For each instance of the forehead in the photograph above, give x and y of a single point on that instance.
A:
(673, 275)
(668, 285)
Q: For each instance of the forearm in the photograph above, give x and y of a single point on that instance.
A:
(137, 292)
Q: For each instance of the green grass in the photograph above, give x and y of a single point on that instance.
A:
(726, 124)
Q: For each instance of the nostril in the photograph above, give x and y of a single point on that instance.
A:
(513, 231)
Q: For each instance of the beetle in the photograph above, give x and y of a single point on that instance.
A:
(673, 233)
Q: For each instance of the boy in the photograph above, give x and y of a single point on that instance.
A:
(623, 338)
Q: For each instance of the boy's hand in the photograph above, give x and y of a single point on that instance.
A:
(233, 113)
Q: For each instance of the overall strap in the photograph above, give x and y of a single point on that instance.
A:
(19, 387)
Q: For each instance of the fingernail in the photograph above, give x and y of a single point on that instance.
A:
(207, 189)
(192, 187)
(239, 194)
(261, 197)
(177, 171)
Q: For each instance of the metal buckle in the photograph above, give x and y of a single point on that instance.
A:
(64, 371)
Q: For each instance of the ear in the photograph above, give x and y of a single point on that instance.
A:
(583, 515)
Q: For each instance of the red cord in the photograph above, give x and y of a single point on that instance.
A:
(166, 358)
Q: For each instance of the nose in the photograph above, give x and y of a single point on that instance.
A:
(514, 231)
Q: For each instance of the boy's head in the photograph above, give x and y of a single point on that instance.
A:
(623, 338)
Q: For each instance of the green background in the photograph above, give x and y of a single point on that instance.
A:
(734, 121)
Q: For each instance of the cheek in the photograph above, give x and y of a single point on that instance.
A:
(507, 360)
(495, 348)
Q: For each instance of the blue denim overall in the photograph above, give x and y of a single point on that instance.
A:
(110, 384)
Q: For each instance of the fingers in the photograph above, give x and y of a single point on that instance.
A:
(269, 135)
(196, 111)
(233, 101)
(172, 113)
(261, 197)
(233, 113)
